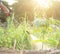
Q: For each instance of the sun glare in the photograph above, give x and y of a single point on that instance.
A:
(43, 3)
(10, 2)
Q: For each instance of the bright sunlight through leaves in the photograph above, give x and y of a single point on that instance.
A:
(43, 3)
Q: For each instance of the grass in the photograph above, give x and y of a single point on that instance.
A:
(47, 31)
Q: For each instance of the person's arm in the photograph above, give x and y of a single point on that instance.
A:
(4, 9)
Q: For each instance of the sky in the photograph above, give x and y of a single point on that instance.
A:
(10, 2)
(43, 3)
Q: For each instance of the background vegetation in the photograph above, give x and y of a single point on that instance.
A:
(30, 25)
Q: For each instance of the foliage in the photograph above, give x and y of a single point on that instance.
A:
(15, 37)
(47, 31)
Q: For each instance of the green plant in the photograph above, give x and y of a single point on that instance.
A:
(47, 30)
(15, 37)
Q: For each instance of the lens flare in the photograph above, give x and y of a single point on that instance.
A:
(43, 3)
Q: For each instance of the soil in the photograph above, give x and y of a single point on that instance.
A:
(13, 51)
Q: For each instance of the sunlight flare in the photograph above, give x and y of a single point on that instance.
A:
(43, 3)
(10, 2)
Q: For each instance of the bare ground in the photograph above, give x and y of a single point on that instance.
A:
(13, 51)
